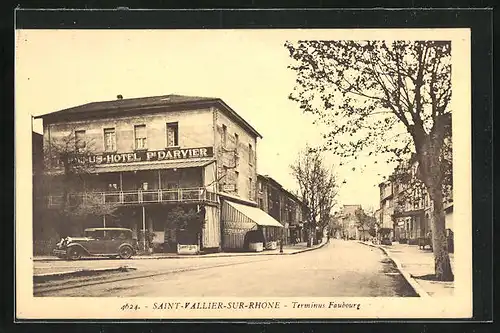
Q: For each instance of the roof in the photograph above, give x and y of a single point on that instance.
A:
(228, 196)
(277, 184)
(271, 180)
(148, 166)
(256, 215)
(129, 103)
(292, 196)
(96, 109)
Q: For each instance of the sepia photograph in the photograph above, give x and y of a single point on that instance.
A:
(295, 173)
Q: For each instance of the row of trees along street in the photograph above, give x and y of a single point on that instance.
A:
(389, 98)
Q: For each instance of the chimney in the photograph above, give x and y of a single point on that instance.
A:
(119, 97)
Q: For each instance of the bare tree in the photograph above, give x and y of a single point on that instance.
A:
(388, 98)
(317, 188)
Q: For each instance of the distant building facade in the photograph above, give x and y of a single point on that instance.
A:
(349, 221)
(386, 211)
(284, 206)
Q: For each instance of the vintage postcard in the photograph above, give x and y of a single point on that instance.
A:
(239, 174)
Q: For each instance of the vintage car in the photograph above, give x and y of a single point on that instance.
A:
(107, 242)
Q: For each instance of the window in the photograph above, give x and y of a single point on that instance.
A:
(80, 142)
(250, 154)
(95, 234)
(250, 187)
(109, 139)
(224, 135)
(172, 134)
(260, 187)
(140, 136)
(236, 179)
(236, 141)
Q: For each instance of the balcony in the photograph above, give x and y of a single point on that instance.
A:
(181, 195)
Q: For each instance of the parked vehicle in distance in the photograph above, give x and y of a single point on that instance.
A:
(104, 242)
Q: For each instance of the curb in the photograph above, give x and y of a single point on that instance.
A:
(253, 254)
(80, 272)
(311, 248)
(411, 281)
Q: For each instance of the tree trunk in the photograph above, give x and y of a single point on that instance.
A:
(430, 173)
(432, 180)
(442, 263)
(63, 216)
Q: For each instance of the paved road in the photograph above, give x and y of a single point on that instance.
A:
(341, 268)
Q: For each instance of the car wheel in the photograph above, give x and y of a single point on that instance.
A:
(74, 253)
(126, 252)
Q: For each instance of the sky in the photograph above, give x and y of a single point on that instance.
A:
(57, 69)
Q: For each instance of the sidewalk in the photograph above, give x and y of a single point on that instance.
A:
(287, 250)
(418, 265)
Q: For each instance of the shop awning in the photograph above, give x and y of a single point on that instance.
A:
(408, 213)
(255, 214)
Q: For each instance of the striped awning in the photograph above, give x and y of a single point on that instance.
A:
(139, 166)
(256, 215)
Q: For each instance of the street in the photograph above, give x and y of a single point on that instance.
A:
(341, 268)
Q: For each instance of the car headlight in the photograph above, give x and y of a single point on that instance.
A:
(62, 243)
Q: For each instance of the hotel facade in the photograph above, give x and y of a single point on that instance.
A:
(148, 156)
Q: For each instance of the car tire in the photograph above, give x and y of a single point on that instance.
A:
(74, 253)
(126, 252)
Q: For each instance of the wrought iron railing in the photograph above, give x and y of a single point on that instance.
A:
(197, 194)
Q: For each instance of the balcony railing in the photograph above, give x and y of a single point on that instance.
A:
(198, 194)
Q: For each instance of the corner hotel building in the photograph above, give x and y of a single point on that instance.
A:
(155, 153)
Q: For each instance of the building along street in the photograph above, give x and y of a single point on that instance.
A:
(340, 268)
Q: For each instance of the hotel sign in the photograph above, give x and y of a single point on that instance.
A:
(147, 156)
